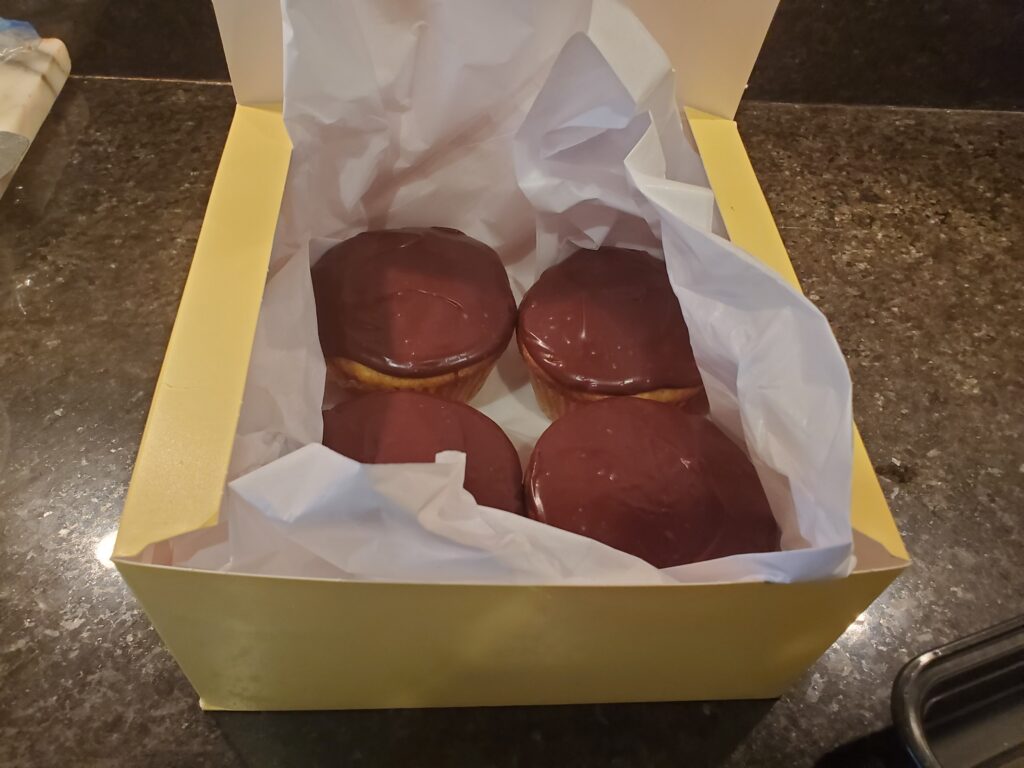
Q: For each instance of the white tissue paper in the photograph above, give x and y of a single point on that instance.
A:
(535, 127)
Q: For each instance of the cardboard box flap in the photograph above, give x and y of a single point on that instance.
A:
(253, 47)
(751, 226)
(712, 46)
(183, 459)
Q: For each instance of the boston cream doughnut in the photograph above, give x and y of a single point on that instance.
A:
(425, 309)
(605, 323)
(408, 427)
(649, 479)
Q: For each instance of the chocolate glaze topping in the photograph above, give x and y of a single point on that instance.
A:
(406, 427)
(413, 302)
(648, 479)
(607, 321)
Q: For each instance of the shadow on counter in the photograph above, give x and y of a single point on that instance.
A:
(563, 736)
(882, 749)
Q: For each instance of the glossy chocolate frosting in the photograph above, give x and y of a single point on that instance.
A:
(648, 479)
(413, 302)
(407, 427)
(607, 321)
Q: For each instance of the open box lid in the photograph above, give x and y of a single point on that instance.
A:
(712, 46)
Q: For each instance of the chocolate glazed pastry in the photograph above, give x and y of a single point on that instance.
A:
(426, 309)
(605, 323)
(407, 427)
(649, 479)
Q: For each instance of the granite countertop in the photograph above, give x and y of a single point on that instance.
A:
(907, 229)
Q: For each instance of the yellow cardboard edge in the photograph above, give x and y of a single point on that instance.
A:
(178, 480)
(262, 643)
(752, 227)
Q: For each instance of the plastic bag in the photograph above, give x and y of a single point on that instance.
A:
(15, 37)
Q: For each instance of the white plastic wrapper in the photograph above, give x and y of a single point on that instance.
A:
(536, 127)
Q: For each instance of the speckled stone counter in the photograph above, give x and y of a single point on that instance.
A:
(907, 228)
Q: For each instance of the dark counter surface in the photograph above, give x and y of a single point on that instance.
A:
(907, 229)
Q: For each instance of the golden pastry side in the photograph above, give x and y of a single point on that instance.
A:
(460, 385)
(556, 399)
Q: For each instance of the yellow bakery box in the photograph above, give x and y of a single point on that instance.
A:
(258, 642)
